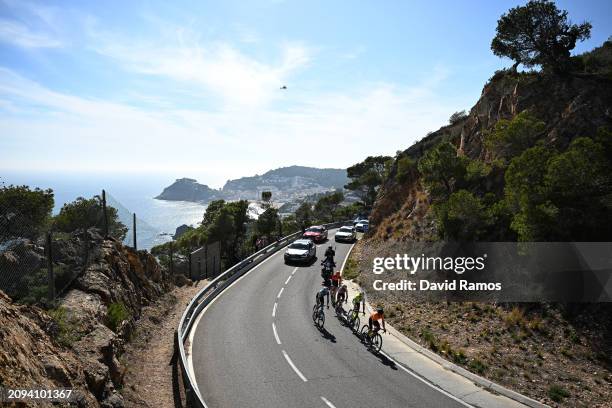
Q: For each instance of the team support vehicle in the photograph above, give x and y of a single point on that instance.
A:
(301, 251)
(317, 233)
(345, 234)
(362, 226)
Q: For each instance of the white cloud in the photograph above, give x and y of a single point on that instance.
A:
(49, 130)
(216, 67)
(19, 34)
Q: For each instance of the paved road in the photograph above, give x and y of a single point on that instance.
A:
(238, 361)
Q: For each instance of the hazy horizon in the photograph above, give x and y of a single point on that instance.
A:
(184, 90)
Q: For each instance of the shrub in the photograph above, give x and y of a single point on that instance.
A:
(116, 314)
(478, 366)
(457, 116)
(557, 393)
(351, 271)
(67, 332)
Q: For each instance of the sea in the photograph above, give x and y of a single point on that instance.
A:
(156, 220)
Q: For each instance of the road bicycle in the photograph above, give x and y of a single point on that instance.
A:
(318, 316)
(352, 320)
(373, 340)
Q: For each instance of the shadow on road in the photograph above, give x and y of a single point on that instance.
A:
(327, 335)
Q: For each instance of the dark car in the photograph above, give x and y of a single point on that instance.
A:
(301, 250)
(316, 233)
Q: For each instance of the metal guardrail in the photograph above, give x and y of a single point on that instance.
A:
(208, 293)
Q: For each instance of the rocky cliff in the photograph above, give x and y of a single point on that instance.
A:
(77, 343)
(570, 107)
(186, 189)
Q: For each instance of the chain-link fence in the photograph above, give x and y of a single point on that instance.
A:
(40, 258)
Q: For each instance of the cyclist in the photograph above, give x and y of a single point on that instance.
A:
(374, 318)
(342, 295)
(330, 253)
(336, 280)
(359, 299)
(320, 297)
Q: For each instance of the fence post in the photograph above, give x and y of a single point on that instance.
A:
(105, 214)
(134, 231)
(171, 258)
(50, 275)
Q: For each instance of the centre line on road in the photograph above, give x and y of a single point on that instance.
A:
(288, 279)
(275, 333)
(274, 310)
(294, 367)
(326, 401)
(294, 271)
(280, 292)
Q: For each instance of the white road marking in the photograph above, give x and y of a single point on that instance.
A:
(288, 279)
(294, 271)
(280, 292)
(326, 401)
(190, 371)
(418, 377)
(345, 258)
(275, 333)
(298, 372)
(274, 310)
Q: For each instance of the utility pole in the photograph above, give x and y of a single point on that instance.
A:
(50, 275)
(171, 258)
(134, 230)
(105, 214)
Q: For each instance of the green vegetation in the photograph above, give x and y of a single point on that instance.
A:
(67, 331)
(457, 116)
(478, 366)
(351, 270)
(367, 177)
(116, 314)
(510, 138)
(557, 393)
(405, 168)
(547, 194)
(85, 213)
(538, 34)
(442, 169)
(24, 212)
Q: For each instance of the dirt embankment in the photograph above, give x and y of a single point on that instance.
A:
(557, 354)
(152, 377)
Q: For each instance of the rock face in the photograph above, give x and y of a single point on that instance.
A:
(571, 107)
(78, 343)
(186, 189)
(29, 355)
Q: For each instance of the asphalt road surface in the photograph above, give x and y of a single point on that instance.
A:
(256, 346)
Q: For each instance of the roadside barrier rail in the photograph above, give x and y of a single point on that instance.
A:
(208, 293)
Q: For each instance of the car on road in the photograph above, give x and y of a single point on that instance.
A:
(316, 233)
(358, 219)
(345, 234)
(301, 250)
(362, 226)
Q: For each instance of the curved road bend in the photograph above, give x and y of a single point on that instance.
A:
(238, 361)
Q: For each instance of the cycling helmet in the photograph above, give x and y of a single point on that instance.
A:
(380, 309)
(343, 286)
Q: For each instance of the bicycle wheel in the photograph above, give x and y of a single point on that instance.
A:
(376, 344)
(364, 333)
(320, 321)
(354, 324)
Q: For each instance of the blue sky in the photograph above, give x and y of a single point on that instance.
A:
(192, 88)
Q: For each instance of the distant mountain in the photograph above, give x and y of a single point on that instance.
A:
(186, 189)
(286, 183)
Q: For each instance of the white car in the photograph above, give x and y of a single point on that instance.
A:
(362, 226)
(301, 250)
(345, 234)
